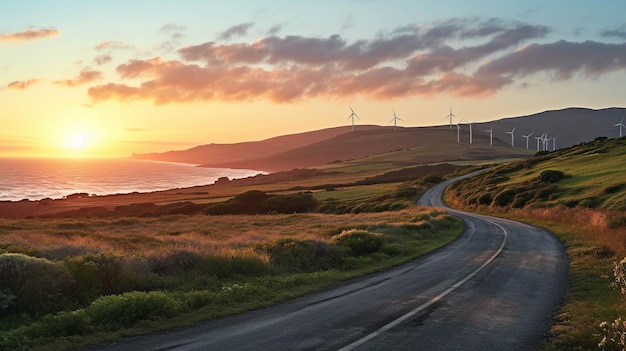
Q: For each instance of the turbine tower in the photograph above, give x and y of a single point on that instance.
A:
(450, 115)
(620, 125)
(527, 138)
(545, 142)
(395, 120)
(512, 136)
(458, 131)
(470, 125)
(490, 131)
(554, 143)
(538, 139)
(352, 115)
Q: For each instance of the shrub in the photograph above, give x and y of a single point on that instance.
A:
(119, 311)
(505, 197)
(551, 176)
(612, 189)
(485, 199)
(32, 285)
(257, 202)
(302, 255)
(99, 275)
(360, 242)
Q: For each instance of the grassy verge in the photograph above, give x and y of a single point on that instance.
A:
(73, 282)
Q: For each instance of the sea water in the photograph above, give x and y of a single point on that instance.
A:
(36, 179)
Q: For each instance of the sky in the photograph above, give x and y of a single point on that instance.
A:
(112, 78)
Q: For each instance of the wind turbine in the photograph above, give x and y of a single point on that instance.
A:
(620, 125)
(450, 115)
(545, 142)
(554, 143)
(352, 115)
(512, 136)
(458, 131)
(538, 139)
(395, 120)
(490, 135)
(470, 125)
(527, 138)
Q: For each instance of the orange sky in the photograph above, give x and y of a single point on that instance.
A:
(80, 79)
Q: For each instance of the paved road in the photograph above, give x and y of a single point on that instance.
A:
(495, 288)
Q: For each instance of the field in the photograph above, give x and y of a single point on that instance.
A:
(75, 281)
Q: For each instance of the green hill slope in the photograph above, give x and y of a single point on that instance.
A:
(591, 175)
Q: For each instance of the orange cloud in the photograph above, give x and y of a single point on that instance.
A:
(29, 35)
(85, 76)
(409, 61)
(22, 84)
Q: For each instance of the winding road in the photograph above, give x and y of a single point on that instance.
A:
(495, 288)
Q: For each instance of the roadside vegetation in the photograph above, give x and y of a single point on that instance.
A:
(69, 282)
(578, 193)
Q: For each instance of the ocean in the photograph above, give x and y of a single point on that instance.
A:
(36, 179)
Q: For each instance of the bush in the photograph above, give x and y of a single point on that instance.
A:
(120, 311)
(505, 197)
(302, 255)
(485, 199)
(258, 202)
(34, 286)
(99, 275)
(551, 176)
(360, 242)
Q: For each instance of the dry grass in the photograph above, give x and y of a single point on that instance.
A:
(226, 235)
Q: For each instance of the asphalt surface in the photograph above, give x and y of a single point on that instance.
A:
(495, 288)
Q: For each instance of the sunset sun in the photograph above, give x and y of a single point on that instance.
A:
(78, 140)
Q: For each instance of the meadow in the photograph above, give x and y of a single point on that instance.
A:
(579, 194)
(69, 282)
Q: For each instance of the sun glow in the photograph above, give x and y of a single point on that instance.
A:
(78, 141)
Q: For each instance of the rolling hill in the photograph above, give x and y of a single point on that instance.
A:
(439, 143)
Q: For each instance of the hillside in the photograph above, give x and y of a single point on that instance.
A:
(589, 175)
(316, 148)
(571, 126)
(244, 151)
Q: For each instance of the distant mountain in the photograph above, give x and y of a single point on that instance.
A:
(572, 126)
(245, 151)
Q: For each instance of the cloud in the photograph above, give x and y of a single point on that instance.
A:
(103, 59)
(463, 57)
(113, 45)
(22, 84)
(619, 32)
(86, 76)
(562, 59)
(235, 31)
(28, 35)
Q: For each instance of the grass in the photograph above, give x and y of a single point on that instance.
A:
(129, 276)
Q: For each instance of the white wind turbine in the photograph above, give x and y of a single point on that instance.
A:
(458, 131)
(450, 115)
(545, 142)
(512, 136)
(554, 143)
(352, 115)
(470, 125)
(527, 138)
(490, 135)
(395, 120)
(539, 138)
(620, 125)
